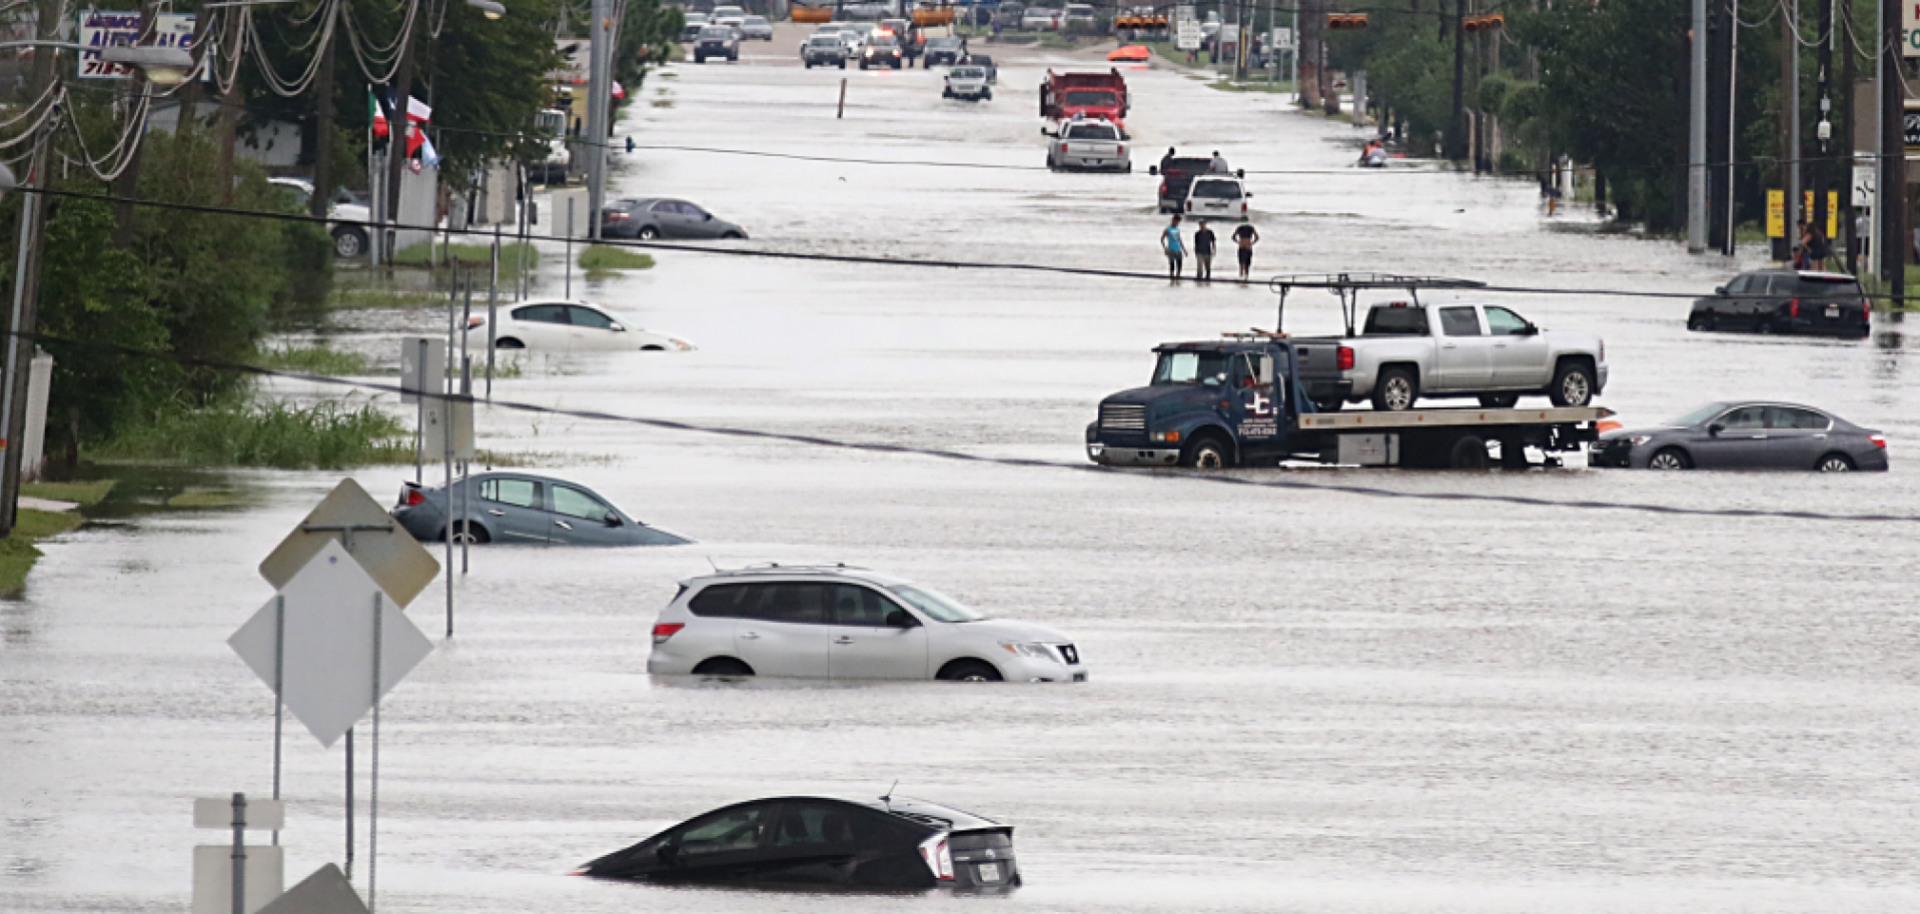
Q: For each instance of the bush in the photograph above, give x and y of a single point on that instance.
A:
(239, 431)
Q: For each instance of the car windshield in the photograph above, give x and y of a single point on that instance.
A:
(944, 43)
(968, 73)
(1698, 414)
(1090, 98)
(756, 20)
(935, 604)
(1090, 132)
(885, 41)
(826, 40)
(1224, 190)
(1189, 368)
(716, 33)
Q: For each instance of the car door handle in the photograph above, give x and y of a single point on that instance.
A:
(749, 636)
(1449, 345)
(496, 512)
(843, 639)
(563, 525)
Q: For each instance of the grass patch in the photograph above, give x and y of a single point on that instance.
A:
(313, 360)
(330, 434)
(359, 297)
(600, 257)
(481, 254)
(18, 552)
(205, 498)
(661, 103)
(80, 493)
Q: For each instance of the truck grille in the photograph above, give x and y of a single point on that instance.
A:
(1124, 417)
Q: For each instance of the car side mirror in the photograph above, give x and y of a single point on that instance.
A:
(1719, 290)
(613, 519)
(1715, 429)
(1529, 330)
(1045, 132)
(616, 328)
(1153, 170)
(900, 618)
(1240, 173)
(1129, 138)
(707, 218)
(1247, 194)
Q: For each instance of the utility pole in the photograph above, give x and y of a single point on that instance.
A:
(599, 107)
(1823, 129)
(1790, 127)
(1848, 122)
(1697, 135)
(1457, 127)
(322, 198)
(26, 298)
(1889, 237)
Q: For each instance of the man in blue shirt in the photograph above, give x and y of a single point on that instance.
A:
(1176, 251)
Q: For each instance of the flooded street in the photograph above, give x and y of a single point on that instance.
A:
(1312, 690)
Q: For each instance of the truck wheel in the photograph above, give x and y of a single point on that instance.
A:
(1207, 452)
(1499, 401)
(1396, 390)
(987, 96)
(1670, 458)
(1469, 453)
(809, 64)
(349, 242)
(1572, 385)
(843, 65)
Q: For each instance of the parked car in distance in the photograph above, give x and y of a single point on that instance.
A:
(1008, 15)
(896, 842)
(756, 28)
(985, 62)
(1785, 301)
(853, 34)
(840, 622)
(1078, 15)
(825, 50)
(567, 326)
(648, 218)
(882, 50)
(522, 508)
(1039, 18)
(727, 12)
(1748, 435)
(943, 51)
(968, 83)
(1409, 350)
(1089, 144)
(717, 41)
(1216, 197)
(691, 31)
(347, 217)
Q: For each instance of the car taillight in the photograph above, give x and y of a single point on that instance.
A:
(1344, 358)
(1879, 441)
(939, 858)
(411, 495)
(1063, 149)
(1866, 312)
(1189, 206)
(1163, 188)
(1793, 308)
(1121, 151)
(617, 216)
(665, 630)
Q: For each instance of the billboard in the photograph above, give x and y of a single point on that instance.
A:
(99, 29)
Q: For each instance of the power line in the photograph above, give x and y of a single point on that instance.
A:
(1367, 491)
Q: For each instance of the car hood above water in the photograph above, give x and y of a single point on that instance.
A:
(1011, 630)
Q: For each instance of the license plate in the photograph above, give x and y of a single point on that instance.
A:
(989, 872)
(1833, 310)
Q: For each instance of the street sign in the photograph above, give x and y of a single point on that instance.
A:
(1282, 40)
(326, 655)
(1865, 186)
(439, 415)
(375, 540)
(1183, 13)
(327, 891)
(264, 871)
(423, 367)
(262, 815)
(1188, 36)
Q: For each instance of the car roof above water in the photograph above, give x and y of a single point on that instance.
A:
(777, 570)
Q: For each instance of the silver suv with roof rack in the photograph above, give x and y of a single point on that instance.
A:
(843, 622)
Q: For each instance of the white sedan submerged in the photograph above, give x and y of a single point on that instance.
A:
(567, 326)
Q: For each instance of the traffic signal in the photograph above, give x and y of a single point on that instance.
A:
(1338, 21)
(1488, 23)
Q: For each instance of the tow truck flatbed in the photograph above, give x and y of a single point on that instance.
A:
(1434, 418)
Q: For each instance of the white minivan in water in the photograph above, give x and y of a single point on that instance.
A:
(840, 622)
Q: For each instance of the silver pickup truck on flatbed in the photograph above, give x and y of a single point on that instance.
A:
(1408, 351)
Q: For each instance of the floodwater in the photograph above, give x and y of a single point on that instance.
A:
(1311, 698)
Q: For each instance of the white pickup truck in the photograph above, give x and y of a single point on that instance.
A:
(1407, 351)
(1088, 143)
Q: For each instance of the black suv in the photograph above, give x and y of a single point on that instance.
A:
(942, 51)
(1785, 301)
(717, 41)
(1176, 175)
(882, 51)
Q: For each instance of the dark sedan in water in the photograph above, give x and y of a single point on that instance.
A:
(1746, 436)
(887, 843)
(522, 508)
(1785, 301)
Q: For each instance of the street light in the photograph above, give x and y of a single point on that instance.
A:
(489, 8)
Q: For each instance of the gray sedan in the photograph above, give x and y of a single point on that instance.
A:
(1746, 436)
(522, 508)
(648, 218)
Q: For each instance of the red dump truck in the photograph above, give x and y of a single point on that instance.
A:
(1095, 95)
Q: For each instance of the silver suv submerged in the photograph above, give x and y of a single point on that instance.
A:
(840, 622)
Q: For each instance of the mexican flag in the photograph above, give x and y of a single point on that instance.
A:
(419, 114)
(379, 116)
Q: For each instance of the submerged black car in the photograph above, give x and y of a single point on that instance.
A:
(887, 843)
(1786, 301)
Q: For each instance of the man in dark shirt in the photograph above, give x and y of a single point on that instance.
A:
(1203, 253)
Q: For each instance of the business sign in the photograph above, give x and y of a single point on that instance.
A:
(103, 29)
(1776, 214)
(1910, 28)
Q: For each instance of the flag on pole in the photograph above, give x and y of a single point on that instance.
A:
(379, 115)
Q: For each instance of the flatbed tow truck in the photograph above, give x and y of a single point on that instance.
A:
(1241, 400)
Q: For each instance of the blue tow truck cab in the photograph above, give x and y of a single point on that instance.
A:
(1242, 400)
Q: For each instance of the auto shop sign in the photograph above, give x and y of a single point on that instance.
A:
(100, 29)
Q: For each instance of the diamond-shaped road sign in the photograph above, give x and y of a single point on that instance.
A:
(326, 654)
(327, 891)
(378, 542)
